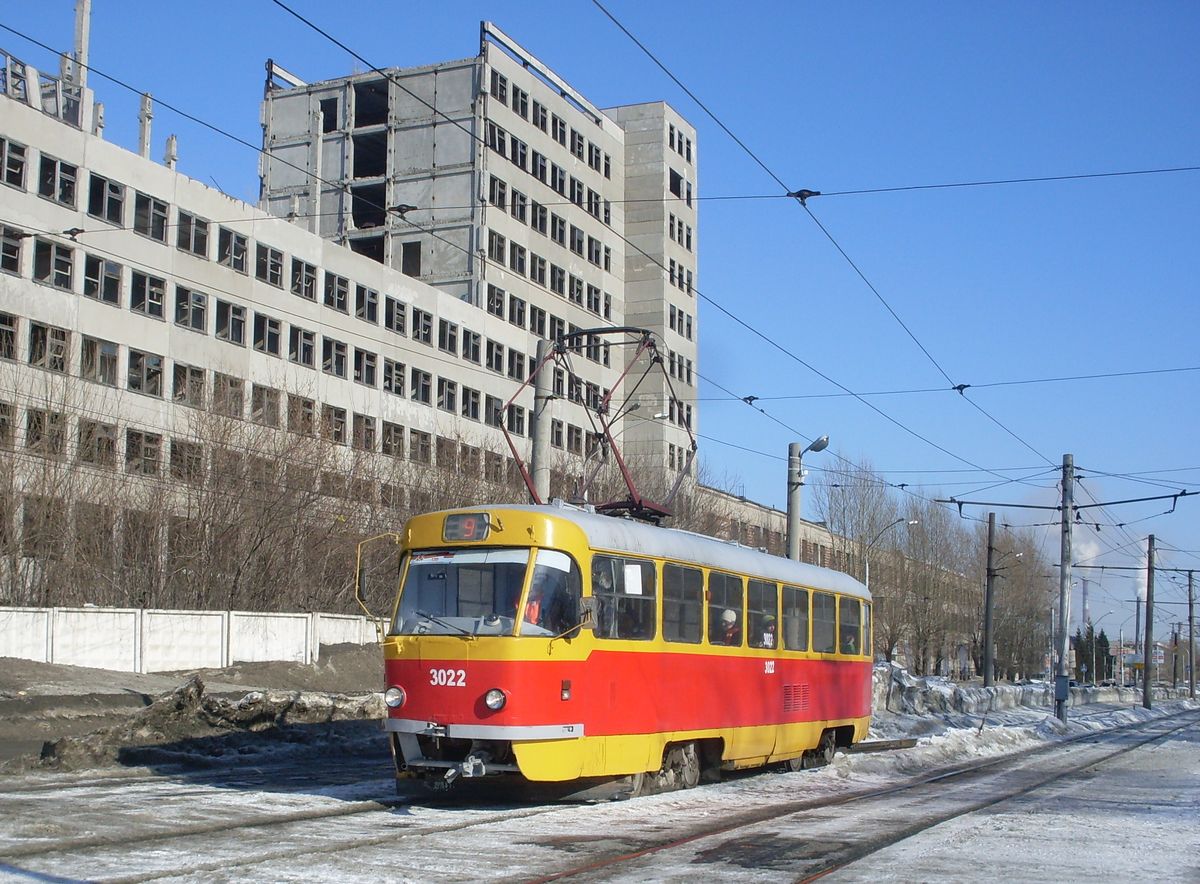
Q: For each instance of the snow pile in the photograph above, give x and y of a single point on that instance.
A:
(189, 723)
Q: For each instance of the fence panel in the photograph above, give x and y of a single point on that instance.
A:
(25, 633)
(104, 638)
(174, 640)
(256, 638)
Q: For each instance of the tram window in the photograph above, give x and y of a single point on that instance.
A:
(463, 591)
(553, 604)
(824, 622)
(683, 601)
(762, 612)
(795, 618)
(850, 619)
(624, 592)
(724, 600)
(867, 646)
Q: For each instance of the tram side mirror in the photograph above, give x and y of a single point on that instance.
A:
(587, 612)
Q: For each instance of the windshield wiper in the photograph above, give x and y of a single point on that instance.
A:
(444, 623)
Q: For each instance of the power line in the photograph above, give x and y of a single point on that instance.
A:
(1000, 181)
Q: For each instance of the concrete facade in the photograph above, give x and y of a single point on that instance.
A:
(496, 182)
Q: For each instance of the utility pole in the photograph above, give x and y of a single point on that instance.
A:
(539, 460)
(1148, 654)
(988, 662)
(1175, 656)
(794, 485)
(1191, 637)
(1061, 682)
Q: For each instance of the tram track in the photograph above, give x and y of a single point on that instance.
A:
(318, 835)
(815, 864)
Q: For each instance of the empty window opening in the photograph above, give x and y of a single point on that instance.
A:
(369, 205)
(370, 155)
(329, 114)
(370, 103)
(410, 258)
(371, 246)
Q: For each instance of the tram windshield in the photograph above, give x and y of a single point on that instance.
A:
(465, 592)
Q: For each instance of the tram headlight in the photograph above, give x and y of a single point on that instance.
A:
(394, 697)
(495, 699)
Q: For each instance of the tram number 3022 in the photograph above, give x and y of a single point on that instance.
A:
(450, 678)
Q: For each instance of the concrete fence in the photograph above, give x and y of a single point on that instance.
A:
(149, 640)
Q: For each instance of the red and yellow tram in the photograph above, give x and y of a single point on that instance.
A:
(556, 644)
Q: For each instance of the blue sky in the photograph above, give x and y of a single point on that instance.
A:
(998, 283)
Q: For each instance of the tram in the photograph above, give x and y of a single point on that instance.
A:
(553, 643)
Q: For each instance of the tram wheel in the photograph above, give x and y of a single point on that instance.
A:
(688, 769)
(794, 765)
(826, 749)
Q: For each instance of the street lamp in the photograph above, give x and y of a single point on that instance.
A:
(795, 483)
(871, 546)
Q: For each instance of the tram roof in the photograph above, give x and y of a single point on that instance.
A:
(621, 534)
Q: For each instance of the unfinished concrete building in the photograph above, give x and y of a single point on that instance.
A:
(494, 181)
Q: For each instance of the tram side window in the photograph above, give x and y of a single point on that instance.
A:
(795, 618)
(624, 592)
(824, 617)
(724, 609)
(552, 608)
(683, 601)
(868, 649)
(850, 618)
(762, 611)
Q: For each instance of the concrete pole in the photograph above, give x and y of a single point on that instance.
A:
(539, 460)
(1148, 653)
(1061, 690)
(795, 482)
(1191, 637)
(988, 662)
(83, 30)
(144, 117)
(315, 174)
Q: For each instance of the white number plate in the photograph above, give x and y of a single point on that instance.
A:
(450, 678)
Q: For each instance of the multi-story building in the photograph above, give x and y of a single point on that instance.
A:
(494, 181)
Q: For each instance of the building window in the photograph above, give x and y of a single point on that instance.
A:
(516, 258)
(337, 292)
(556, 433)
(558, 179)
(470, 346)
(421, 387)
(48, 347)
(499, 87)
(394, 315)
(52, 264)
(576, 191)
(334, 420)
(516, 365)
(12, 158)
(516, 420)
(538, 216)
(392, 439)
(496, 247)
(231, 249)
(268, 333)
(106, 199)
(333, 357)
(150, 217)
(268, 265)
(304, 279)
(492, 411)
(537, 166)
(264, 406)
(231, 322)
(470, 404)
(145, 373)
(97, 443)
(366, 304)
(422, 326)
(495, 301)
(447, 395)
(191, 234)
(102, 280)
(420, 447)
(518, 206)
(187, 462)
(57, 181)
(363, 437)
(537, 269)
(558, 280)
(559, 129)
(8, 336)
(410, 258)
(10, 249)
(448, 337)
(191, 309)
(302, 415)
(45, 431)
(539, 115)
(143, 452)
(577, 239)
(147, 294)
(516, 311)
(364, 366)
(98, 361)
(495, 356)
(189, 385)
(497, 192)
(302, 346)
(393, 377)
(574, 439)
